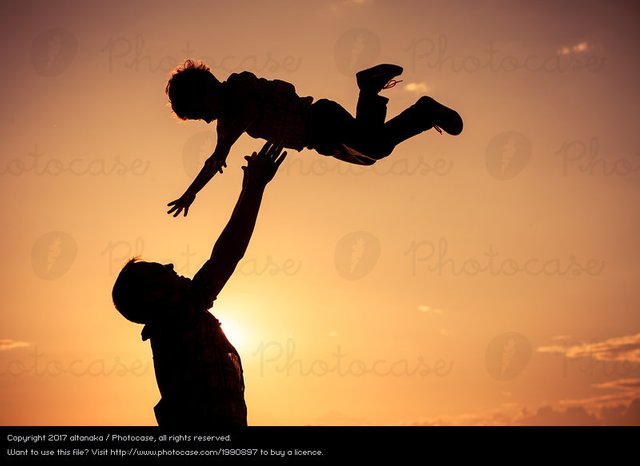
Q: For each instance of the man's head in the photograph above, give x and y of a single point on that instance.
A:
(193, 92)
(144, 289)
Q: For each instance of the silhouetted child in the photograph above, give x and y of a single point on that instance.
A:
(273, 111)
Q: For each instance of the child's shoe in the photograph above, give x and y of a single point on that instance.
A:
(441, 116)
(377, 78)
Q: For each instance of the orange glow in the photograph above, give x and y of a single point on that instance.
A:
(462, 280)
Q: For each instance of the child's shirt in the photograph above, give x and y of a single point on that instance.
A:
(280, 114)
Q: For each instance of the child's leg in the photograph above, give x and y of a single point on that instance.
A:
(425, 114)
(332, 128)
(361, 139)
(371, 110)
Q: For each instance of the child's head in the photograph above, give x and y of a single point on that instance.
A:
(144, 289)
(191, 90)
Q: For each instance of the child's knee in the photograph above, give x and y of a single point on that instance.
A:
(380, 150)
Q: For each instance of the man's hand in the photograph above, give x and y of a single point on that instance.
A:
(232, 243)
(262, 167)
(181, 204)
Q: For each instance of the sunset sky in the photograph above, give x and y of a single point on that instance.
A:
(489, 278)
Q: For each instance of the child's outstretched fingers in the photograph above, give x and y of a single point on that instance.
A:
(181, 205)
(176, 208)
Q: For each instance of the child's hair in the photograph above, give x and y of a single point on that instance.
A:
(130, 292)
(187, 85)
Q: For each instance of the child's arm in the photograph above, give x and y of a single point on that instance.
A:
(227, 136)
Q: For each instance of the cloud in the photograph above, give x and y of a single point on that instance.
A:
(614, 402)
(7, 344)
(622, 392)
(626, 348)
(417, 88)
(620, 407)
(574, 49)
(427, 309)
(615, 409)
(337, 5)
(549, 416)
(582, 413)
(631, 383)
(620, 414)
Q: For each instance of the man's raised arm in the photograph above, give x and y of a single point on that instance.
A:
(232, 243)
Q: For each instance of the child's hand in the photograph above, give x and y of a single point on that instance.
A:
(215, 165)
(181, 204)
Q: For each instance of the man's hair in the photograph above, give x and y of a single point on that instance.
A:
(187, 84)
(130, 293)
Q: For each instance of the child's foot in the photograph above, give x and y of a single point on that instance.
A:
(442, 117)
(377, 78)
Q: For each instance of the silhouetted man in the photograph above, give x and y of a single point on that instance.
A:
(199, 372)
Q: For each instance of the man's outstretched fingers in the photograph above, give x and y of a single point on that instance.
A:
(266, 148)
(280, 159)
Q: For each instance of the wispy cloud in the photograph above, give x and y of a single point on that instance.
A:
(569, 413)
(621, 406)
(417, 88)
(580, 47)
(626, 348)
(622, 392)
(628, 384)
(337, 5)
(7, 344)
(429, 310)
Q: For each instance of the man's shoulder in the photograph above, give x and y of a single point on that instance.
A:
(183, 318)
(202, 290)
